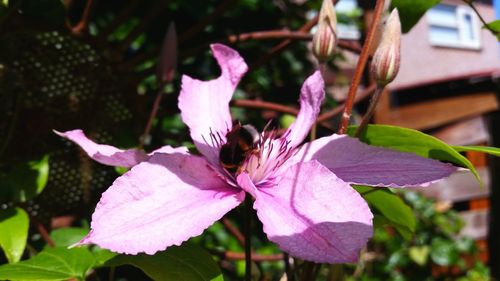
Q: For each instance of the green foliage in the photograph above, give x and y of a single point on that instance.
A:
(408, 140)
(65, 237)
(494, 26)
(185, 263)
(51, 265)
(435, 243)
(14, 224)
(24, 180)
(392, 207)
(410, 11)
(485, 149)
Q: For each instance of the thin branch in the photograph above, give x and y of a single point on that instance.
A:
(238, 256)
(327, 115)
(156, 106)
(248, 237)
(470, 3)
(82, 25)
(234, 231)
(348, 45)
(264, 105)
(45, 235)
(283, 44)
(360, 67)
(370, 111)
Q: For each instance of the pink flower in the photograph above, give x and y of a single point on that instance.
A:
(302, 192)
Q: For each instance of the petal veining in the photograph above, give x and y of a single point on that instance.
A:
(311, 97)
(204, 105)
(314, 215)
(359, 163)
(161, 202)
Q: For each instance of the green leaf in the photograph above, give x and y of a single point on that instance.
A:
(443, 252)
(408, 140)
(51, 265)
(393, 208)
(419, 255)
(185, 263)
(410, 11)
(65, 237)
(25, 180)
(287, 120)
(485, 149)
(494, 26)
(102, 255)
(14, 225)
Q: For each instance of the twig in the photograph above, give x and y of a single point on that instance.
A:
(283, 44)
(152, 115)
(234, 231)
(327, 115)
(360, 67)
(45, 235)
(264, 105)
(237, 256)
(370, 110)
(82, 25)
(269, 34)
(248, 237)
(288, 269)
(470, 3)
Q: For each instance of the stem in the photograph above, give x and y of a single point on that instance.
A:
(248, 246)
(360, 67)
(238, 256)
(45, 235)
(264, 105)
(327, 115)
(152, 115)
(485, 24)
(288, 269)
(84, 21)
(371, 110)
(308, 271)
(234, 231)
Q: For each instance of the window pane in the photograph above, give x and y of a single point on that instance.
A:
(445, 35)
(443, 15)
(468, 28)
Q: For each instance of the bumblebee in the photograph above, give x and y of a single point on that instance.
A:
(242, 140)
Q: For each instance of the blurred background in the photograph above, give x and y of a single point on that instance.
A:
(93, 65)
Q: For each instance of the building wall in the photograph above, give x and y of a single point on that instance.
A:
(423, 63)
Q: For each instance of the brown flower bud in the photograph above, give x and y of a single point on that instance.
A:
(325, 37)
(385, 63)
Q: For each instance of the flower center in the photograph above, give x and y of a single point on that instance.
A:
(259, 155)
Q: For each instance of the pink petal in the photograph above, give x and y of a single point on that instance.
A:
(359, 163)
(105, 154)
(204, 105)
(311, 96)
(169, 150)
(313, 215)
(159, 203)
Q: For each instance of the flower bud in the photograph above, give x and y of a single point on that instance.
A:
(385, 63)
(325, 37)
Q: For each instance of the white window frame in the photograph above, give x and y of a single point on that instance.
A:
(463, 38)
